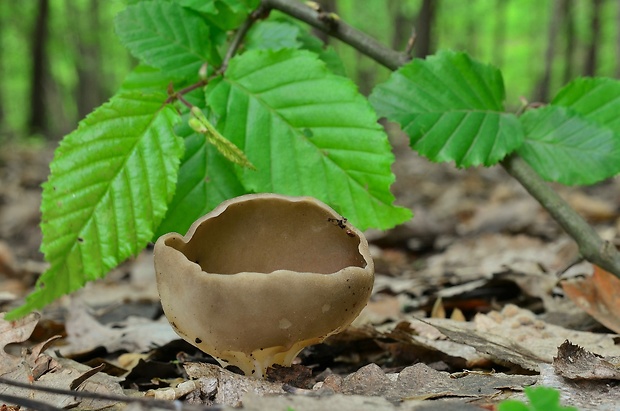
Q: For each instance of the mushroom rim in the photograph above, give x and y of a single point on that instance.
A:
(362, 243)
(220, 208)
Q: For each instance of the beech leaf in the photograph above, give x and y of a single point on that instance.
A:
(307, 132)
(110, 183)
(451, 107)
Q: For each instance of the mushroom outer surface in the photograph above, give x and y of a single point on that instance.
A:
(261, 277)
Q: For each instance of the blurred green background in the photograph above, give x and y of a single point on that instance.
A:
(60, 58)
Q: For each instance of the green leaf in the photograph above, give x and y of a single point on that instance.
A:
(206, 179)
(273, 35)
(541, 399)
(512, 405)
(595, 99)
(213, 6)
(110, 183)
(564, 146)
(189, 201)
(221, 179)
(325, 52)
(545, 399)
(167, 36)
(199, 123)
(224, 14)
(308, 132)
(284, 32)
(145, 78)
(452, 109)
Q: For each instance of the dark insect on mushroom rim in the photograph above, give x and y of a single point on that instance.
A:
(275, 268)
(340, 222)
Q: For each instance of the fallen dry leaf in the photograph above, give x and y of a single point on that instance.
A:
(576, 363)
(14, 332)
(516, 336)
(135, 334)
(37, 368)
(254, 402)
(220, 386)
(594, 395)
(598, 295)
(592, 208)
(421, 382)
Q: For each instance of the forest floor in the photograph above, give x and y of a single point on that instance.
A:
(470, 305)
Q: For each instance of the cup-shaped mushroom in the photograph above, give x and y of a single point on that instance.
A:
(261, 277)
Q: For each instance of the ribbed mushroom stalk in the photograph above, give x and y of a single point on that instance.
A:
(261, 277)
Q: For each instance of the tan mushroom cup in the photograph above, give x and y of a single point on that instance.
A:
(261, 277)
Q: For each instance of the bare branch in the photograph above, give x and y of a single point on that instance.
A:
(260, 12)
(332, 25)
(411, 42)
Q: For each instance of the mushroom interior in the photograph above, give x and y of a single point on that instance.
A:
(269, 235)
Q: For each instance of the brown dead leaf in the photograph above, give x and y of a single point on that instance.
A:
(583, 394)
(254, 402)
(483, 255)
(420, 382)
(7, 260)
(36, 368)
(14, 332)
(426, 340)
(514, 215)
(592, 208)
(598, 295)
(438, 310)
(517, 336)
(220, 386)
(576, 363)
(135, 334)
(380, 309)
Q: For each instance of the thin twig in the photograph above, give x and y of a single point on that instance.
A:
(337, 28)
(259, 13)
(591, 245)
(192, 87)
(178, 95)
(411, 43)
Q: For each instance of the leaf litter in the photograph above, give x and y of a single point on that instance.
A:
(471, 305)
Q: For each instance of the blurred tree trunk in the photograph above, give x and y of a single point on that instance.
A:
(555, 19)
(402, 25)
(89, 92)
(469, 39)
(37, 122)
(499, 36)
(424, 42)
(569, 34)
(589, 68)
